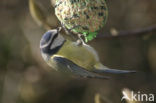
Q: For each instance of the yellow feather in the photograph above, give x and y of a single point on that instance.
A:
(84, 56)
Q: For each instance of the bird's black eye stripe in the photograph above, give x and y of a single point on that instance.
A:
(55, 36)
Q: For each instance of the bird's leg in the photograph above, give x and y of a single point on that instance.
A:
(66, 30)
(74, 27)
(80, 40)
(69, 33)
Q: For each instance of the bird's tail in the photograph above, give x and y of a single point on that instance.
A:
(100, 68)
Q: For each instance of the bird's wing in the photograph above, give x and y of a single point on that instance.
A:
(103, 69)
(68, 66)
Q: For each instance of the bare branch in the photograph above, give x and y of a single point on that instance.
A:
(136, 32)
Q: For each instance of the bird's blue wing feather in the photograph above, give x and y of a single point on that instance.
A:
(65, 65)
(113, 71)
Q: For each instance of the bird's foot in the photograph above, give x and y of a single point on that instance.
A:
(68, 32)
(80, 40)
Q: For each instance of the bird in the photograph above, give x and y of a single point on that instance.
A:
(70, 58)
(84, 17)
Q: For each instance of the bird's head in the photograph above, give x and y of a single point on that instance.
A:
(51, 42)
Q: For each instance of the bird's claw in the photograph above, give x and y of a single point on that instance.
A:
(80, 39)
(79, 42)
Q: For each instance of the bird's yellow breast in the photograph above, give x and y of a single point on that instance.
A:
(84, 56)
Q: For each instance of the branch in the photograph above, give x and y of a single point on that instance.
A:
(135, 32)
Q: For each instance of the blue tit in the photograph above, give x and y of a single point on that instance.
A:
(68, 57)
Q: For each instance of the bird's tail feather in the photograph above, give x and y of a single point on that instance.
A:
(99, 68)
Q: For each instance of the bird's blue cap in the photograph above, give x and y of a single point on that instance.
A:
(46, 37)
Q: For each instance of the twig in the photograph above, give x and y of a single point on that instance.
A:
(136, 32)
